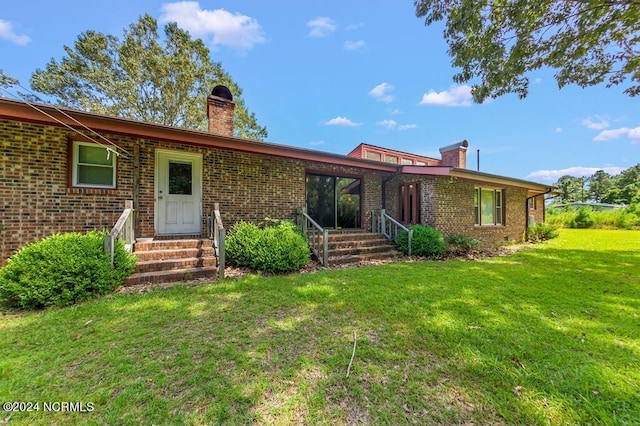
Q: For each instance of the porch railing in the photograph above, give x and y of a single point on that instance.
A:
(124, 230)
(318, 236)
(218, 234)
(382, 223)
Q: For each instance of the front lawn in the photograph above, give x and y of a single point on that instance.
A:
(549, 335)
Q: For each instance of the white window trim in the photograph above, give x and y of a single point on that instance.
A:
(74, 167)
(495, 223)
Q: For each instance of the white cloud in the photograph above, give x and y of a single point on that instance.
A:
(316, 143)
(393, 124)
(595, 123)
(407, 126)
(554, 175)
(353, 45)
(7, 33)
(607, 135)
(321, 26)
(381, 93)
(455, 96)
(389, 124)
(341, 121)
(537, 80)
(352, 27)
(233, 30)
(395, 112)
(559, 130)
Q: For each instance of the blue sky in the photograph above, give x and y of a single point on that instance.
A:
(329, 75)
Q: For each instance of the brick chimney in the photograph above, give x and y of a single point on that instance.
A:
(455, 155)
(220, 111)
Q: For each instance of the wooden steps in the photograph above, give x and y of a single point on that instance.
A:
(173, 260)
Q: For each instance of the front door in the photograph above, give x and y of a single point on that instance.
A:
(178, 192)
(409, 203)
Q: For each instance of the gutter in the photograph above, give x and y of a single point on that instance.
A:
(526, 210)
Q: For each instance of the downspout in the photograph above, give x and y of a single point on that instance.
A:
(526, 211)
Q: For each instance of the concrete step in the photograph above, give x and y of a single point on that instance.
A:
(175, 275)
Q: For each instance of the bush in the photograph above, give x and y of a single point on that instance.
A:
(63, 269)
(541, 232)
(461, 244)
(241, 243)
(278, 247)
(426, 241)
(583, 218)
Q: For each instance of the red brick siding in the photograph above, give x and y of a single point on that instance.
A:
(538, 212)
(447, 205)
(34, 198)
(37, 202)
(455, 158)
(220, 113)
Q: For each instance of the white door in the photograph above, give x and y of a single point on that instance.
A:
(178, 192)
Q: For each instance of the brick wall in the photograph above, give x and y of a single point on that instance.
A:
(447, 205)
(538, 210)
(220, 113)
(36, 200)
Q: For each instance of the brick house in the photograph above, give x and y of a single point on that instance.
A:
(54, 179)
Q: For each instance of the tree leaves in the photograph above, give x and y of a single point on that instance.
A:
(144, 77)
(497, 43)
(623, 188)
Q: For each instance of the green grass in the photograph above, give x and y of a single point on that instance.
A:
(549, 335)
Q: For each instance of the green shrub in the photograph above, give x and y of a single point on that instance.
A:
(461, 244)
(628, 220)
(622, 218)
(541, 232)
(426, 241)
(241, 243)
(63, 269)
(583, 218)
(278, 247)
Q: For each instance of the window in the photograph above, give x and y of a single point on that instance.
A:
(420, 163)
(488, 207)
(93, 166)
(532, 203)
(391, 159)
(406, 162)
(373, 156)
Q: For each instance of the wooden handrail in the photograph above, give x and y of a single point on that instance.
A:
(219, 235)
(123, 229)
(386, 225)
(318, 237)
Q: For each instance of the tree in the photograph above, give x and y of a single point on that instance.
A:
(572, 188)
(139, 78)
(6, 81)
(498, 42)
(626, 187)
(599, 185)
